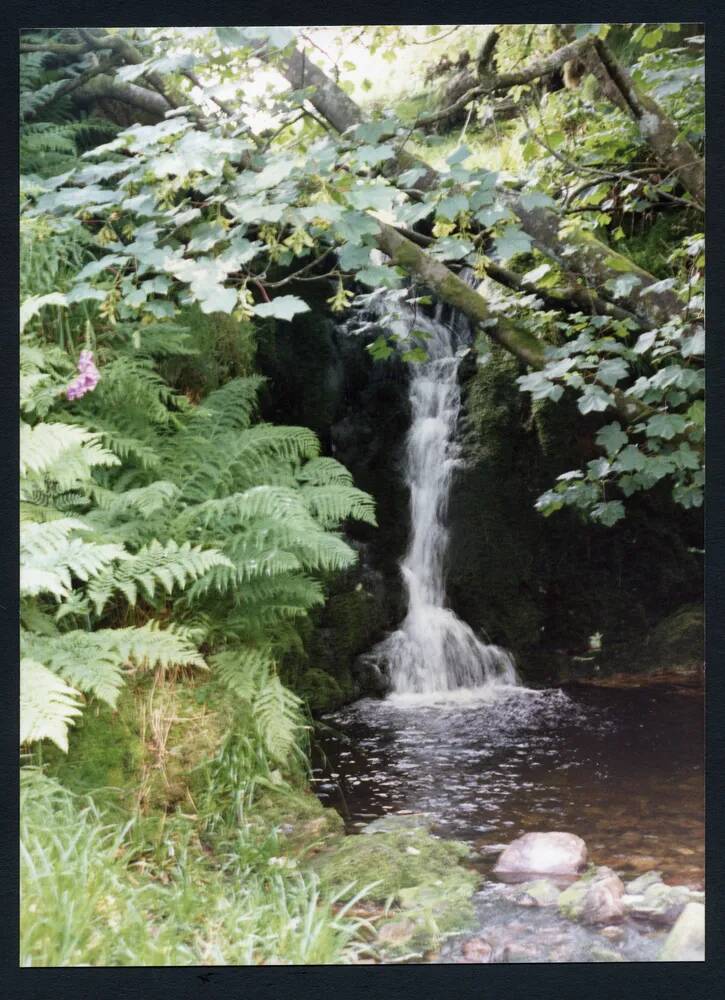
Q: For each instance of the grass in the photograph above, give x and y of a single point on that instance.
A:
(152, 892)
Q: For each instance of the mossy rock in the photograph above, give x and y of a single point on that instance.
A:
(426, 916)
(297, 815)
(442, 909)
(319, 690)
(678, 639)
(395, 862)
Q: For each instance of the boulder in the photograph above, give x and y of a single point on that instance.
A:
(642, 882)
(541, 892)
(542, 854)
(369, 676)
(596, 899)
(659, 903)
(686, 940)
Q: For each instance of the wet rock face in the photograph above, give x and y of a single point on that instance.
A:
(542, 854)
(541, 586)
(686, 940)
(659, 903)
(369, 675)
(594, 900)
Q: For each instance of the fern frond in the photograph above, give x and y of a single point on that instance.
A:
(229, 408)
(44, 446)
(49, 557)
(94, 661)
(169, 565)
(243, 670)
(48, 706)
(144, 501)
(323, 471)
(332, 503)
(278, 715)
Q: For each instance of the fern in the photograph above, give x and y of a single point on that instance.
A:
(94, 662)
(334, 502)
(248, 674)
(48, 706)
(277, 712)
(61, 452)
(135, 491)
(50, 557)
(170, 565)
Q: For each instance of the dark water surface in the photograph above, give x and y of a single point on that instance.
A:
(621, 768)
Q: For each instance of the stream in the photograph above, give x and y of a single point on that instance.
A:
(460, 738)
(620, 768)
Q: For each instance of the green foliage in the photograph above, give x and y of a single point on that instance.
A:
(165, 530)
(99, 894)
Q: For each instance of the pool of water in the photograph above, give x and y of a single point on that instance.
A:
(621, 768)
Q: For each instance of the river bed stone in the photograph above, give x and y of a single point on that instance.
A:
(659, 903)
(595, 899)
(686, 940)
(553, 853)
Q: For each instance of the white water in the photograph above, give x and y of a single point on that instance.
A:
(433, 651)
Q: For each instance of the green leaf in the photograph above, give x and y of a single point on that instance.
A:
(694, 345)
(381, 349)
(369, 156)
(354, 225)
(536, 199)
(451, 248)
(665, 425)
(611, 438)
(283, 307)
(99, 266)
(376, 196)
(415, 354)
(451, 206)
(374, 131)
(645, 341)
(612, 371)
(631, 459)
(608, 513)
(34, 303)
(539, 386)
(458, 155)
(512, 241)
(409, 177)
(490, 216)
(353, 256)
(379, 276)
(594, 399)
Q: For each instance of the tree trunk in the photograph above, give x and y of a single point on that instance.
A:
(453, 290)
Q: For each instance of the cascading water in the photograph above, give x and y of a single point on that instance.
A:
(433, 650)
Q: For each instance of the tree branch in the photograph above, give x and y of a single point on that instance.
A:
(580, 252)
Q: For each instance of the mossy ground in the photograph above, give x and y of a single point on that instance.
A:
(422, 881)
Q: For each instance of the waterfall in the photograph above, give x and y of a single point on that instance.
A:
(433, 650)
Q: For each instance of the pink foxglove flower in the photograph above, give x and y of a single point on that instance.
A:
(86, 380)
